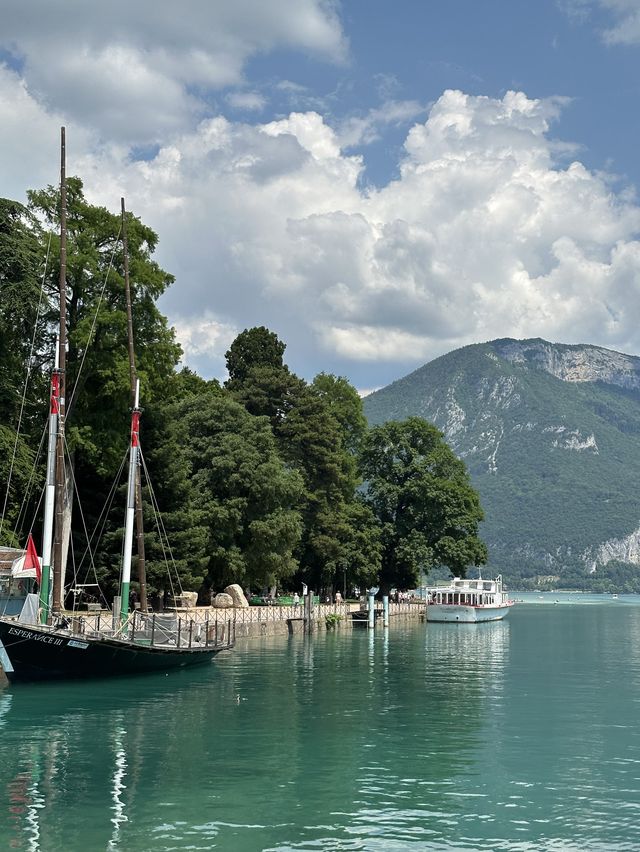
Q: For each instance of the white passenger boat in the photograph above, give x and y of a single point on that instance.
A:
(468, 601)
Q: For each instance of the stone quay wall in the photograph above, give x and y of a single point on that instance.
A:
(273, 620)
(255, 621)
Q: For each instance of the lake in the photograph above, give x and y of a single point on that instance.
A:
(517, 735)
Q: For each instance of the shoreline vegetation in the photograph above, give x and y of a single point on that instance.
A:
(266, 480)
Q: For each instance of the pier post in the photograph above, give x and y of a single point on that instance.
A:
(372, 613)
(308, 611)
(385, 610)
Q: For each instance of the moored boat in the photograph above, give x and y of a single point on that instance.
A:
(82, 648)
(44, 642)
(468, 601)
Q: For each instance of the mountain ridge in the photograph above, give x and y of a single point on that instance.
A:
(551, 436)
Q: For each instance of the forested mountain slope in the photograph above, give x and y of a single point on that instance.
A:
(551, 436)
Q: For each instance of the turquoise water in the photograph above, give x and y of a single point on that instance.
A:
(516, 735)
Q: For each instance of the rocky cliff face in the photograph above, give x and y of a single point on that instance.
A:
(551, 436)
(574, 363)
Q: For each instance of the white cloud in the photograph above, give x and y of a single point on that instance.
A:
(363, 130)
(626, 14)
(135, 71)
(30, 139)
(310, 131)
(484, 234)
(625, 28)
(204, 339)
(366, 343)
(246, 100)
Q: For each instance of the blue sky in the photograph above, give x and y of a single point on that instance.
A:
(377, 182)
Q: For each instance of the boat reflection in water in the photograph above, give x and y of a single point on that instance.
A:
(78, 766)
(342, 739)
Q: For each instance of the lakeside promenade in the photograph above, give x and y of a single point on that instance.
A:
(252, 621)
(271, 620)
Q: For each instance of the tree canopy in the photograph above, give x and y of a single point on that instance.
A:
(98, 397)
(421, 494)
(268, 481)
(245, 495)
(253, 348)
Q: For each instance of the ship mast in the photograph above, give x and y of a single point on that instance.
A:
(142, 574)
(50, 492)
(134, 453)
(62, 351)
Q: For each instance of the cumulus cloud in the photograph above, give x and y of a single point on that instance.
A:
(483, 235)
(488, 231)
(135, 71)
(363, 130)
(30, 138)
(204, 339)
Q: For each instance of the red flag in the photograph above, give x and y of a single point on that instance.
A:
(31, 558)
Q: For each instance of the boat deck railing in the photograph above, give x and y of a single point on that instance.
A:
(153, 629)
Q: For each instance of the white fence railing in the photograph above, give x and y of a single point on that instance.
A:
(254, 614)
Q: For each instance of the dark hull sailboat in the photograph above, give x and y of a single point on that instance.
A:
(49, 645)
(37, 652)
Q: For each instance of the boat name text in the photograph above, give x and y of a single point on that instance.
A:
(26, 634)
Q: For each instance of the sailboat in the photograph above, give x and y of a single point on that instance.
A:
(48, 645)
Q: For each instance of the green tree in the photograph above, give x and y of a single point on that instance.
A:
(254, 347)
(21, 259)
(21, 325)
(343, 546)
(98, 394)
(258, 378)
(345, 405)
(421, 494)
(243, 495)
(310, 440)
(315, 427)
(165, 440)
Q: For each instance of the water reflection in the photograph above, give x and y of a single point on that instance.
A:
(495, 736)
(66, 749)
(5, 706)
(434, 701)
(118, 787)
(379, 722)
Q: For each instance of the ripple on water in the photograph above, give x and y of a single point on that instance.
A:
(515, 736)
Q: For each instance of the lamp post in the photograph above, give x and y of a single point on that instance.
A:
(344, 584)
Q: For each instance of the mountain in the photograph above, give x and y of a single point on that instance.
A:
(551, 436)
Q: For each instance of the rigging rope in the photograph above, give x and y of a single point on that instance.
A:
(161, 530)
(101, 519)
(24, 392)
(95, 319)
(30, 485)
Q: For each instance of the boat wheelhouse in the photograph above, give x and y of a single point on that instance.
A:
(468, 601)
(14, 581)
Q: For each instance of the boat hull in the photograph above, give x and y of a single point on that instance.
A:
(45, 654)
(460, 614)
